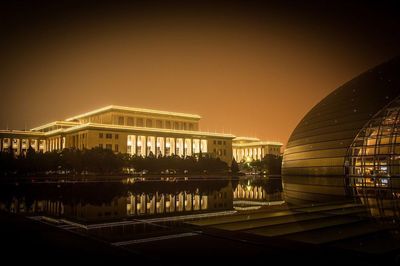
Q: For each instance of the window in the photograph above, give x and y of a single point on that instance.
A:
(109, 146)
(168, 124)
(139, 122)
(116, 147)
(159, 123)
(190, 126)
(149, 123)
(219, 142)
(224, 142)
(116, 136)
(215, 142)
(176, 125)
(108, 136)
(129, 121)
(120, 120)
(101, 146)
(100, 135)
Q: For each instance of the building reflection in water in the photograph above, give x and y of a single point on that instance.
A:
(258, 189)
(115, 200)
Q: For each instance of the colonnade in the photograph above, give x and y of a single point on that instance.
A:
(22, 144)
(255, 153)
(144, 145)
(159, 203)
(255, 193)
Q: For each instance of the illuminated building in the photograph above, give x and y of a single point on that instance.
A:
(349, 142)
(125, 130)
(245, 148)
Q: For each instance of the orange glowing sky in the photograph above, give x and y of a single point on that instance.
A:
(246, 68)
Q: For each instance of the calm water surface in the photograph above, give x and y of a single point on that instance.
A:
(138, 197)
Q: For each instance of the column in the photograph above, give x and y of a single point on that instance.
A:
(184, 146)
(10, 144)
(38, 146)
(145, 147)
(136, 141)
(20, 146)
(200, 200)
(165, 204)
(175, 146)
(192, 198)
(165, 148)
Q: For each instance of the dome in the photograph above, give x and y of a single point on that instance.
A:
(345, 137)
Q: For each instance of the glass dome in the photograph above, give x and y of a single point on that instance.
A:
(373, 163)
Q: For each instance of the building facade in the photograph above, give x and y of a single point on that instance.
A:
(248, 149)
(123, 130)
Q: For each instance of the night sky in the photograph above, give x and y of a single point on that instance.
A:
(246, 67)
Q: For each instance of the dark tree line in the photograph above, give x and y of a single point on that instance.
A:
(271, 164)
(103, 161)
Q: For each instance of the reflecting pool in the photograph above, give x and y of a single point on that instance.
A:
(136, 197)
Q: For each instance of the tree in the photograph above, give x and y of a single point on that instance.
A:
(234, 166)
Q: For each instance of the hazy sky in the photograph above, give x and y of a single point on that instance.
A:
(247, 68)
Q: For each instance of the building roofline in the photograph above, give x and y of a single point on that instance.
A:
(246, 139)
(70, 123)
(144, 129)
(21, 132)
(257, 143)
(133, 109)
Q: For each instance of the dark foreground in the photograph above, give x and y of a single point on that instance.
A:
(28, 241)
(210, 221)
